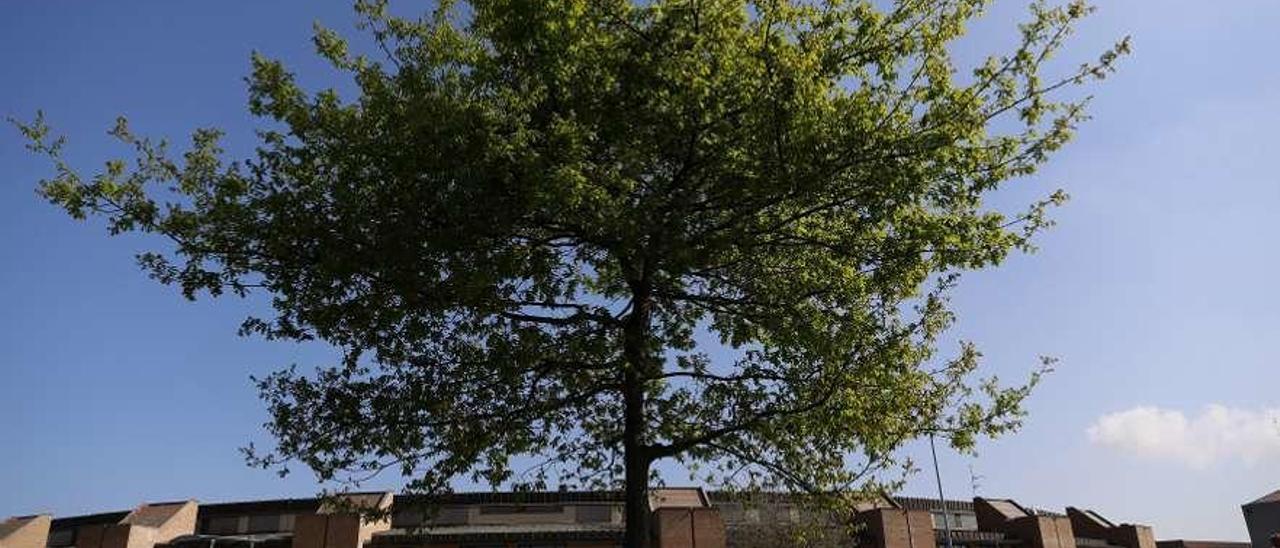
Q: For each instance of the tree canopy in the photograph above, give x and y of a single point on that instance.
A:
(593, 235)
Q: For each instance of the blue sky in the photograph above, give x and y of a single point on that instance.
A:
(1156, 290)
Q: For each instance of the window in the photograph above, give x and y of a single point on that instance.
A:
(62, 537)
(406, 519)
(522, 509)
(269, 523)
(449, 515)
(956, 520)
(595, 513)
(229, 525)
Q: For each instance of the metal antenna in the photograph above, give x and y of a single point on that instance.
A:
(946, 518)
(974, 484)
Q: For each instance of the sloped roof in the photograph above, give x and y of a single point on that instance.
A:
(8, 526)
(1085, 521)
(12, 525)
(1008, 508)
(1269, 498)
(154, 515)
(1098, 518)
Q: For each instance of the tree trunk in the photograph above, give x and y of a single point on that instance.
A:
(637, 465)
(635, 452)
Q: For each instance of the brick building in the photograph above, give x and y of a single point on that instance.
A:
(912, 522)
(682, 518)
(1262, 519)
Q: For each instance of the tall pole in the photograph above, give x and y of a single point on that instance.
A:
(946, 517)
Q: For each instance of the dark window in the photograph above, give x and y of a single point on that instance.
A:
(521, 509)
(406, 519)
(223, 526)
(449, 515)
(264, 524)
(595, 513)
(62, 537)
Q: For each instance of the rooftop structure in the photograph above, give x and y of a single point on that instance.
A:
(1262, 519)
(24, 531)
(682, 518)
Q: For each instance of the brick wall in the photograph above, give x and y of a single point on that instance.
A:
(1133, 536)
(899, 528)
(688, 528)
(340, 530)
(1042, 531)
(28, 532)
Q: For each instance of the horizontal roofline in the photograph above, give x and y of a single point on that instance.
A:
(89, 519)
(312, 504)
(511, 497)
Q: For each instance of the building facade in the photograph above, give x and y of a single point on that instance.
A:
(681, 518)
(1262, 519)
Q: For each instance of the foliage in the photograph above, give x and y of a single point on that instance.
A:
(605, 233)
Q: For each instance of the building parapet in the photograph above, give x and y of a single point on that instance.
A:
(682, 518)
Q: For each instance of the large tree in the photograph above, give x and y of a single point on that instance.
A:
(562, 240)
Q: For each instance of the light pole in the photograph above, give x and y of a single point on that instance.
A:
(946, 518)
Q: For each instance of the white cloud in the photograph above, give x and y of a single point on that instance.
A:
(1219, 433)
